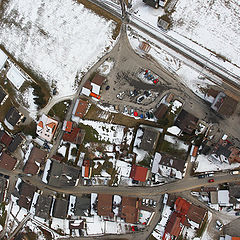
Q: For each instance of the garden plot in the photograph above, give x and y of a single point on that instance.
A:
(55, 40)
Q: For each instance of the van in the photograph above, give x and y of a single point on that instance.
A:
(234, 172)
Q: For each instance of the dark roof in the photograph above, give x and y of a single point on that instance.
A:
(129, 209)
(196, 214)
(104, 206)
(212, 92)
(171, 200)
(228, 106)
(98, 79)
(88, 85)
(138, 173)
(13, 116)
(7, 162)
(43, 206)
(5, 138)
(36, 155)
(186, 122)
(17, 140)
(60, 208)
(62, 174)
(3, 94)
(161, 111)
(149, 139)
(26, 192)
(152, 3)
(3, 185)
(82, 204)
(173, 162)
(76, 136)
(223, 148)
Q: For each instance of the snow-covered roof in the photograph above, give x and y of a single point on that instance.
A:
(156, 161)
(3, 58)
(95, 88)
(223, 197)
(15, 76)
(85, 91)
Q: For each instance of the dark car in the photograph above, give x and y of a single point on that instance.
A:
(237, 213)
(107, 87)
(201, 176)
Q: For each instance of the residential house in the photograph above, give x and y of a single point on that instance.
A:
(15, 76)
(87, 88)
(161, 111)
(60, 208)
(97, 83)
(5, 138)
(76, 136)
(174, 225)
(16, 142)
(80, 108)
(82, 205)
(152, 3)
(86, 169)
(130, 209)
(223, 198)
(35, 160)
(43, 206)
(3, 96)
(46, 128)
(26, 192)
(210, 95)
(186, 122)
(7, 162)
(104, 206)
(139, 173)
(67, 126)
(13, 118)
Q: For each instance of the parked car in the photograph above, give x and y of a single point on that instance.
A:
(143, 201)
(147, 202)
(211, 180)
(237, 213)
(150, 202)
(219, 225)
(154, 204)
(140, 99)
(229, 209)
(201, 176)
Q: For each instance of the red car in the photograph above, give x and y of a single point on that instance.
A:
(211, 180)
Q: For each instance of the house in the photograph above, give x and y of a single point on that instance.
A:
(60, 208)
(82, 205)
(86, 169)
(87, 88)
(210, 95)
(26, 193)
(144, 46)
(196, 216)
(97, 83)
(161, 111)
(67, 126)
(13, 118)
(15, 76)
(130, 209)
(61, 174)
(174, 225)
(223, 198)
(168, 165)
(149, 139)
(35, 160)
(139, 173)
(46, 128)
(76, 136)
(152, 3)
(225, 151)
(3, 96)
(104, 206)
(3, 59)
(224, 104)
(3, 189)
(186, 122)
(16, 142)
(43, 206)
(80, 108)
(194, 151)
(5, 138)
(163, 23)
(7, 162)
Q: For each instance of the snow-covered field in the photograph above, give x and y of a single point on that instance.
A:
(56, 39)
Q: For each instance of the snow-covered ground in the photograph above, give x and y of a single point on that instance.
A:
(56, 39)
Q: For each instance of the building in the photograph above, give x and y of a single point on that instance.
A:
(149, 139)
(82, 205)
(26, 192)
(13, 118)
(7, 162)
(196, 215)
(80, 108)
(130, 209)
(223, 198)
(152, 3)
(104, 206)
(174, 225)
(144, 46)
(43, 206)
(76, 136)
(60, 208)
(186, 122)
(46, 128)
(224, 104)
(87, 88)
(161, 111)
(16, 142)
(5, 138)
(139, 173)
(97, 83)
(15, 76)
(35, 160)
(67, 126)
(3, 96)
(86, 169)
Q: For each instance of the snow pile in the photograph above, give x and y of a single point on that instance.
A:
(106, 67)
(56, 39)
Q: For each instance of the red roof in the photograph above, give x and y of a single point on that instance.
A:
(173, 226)
(5, 139)
(182, 206)
(138, 173)
(68, 126)
(195, 150)
(76, 136)
(7, 162)
(80, 108)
